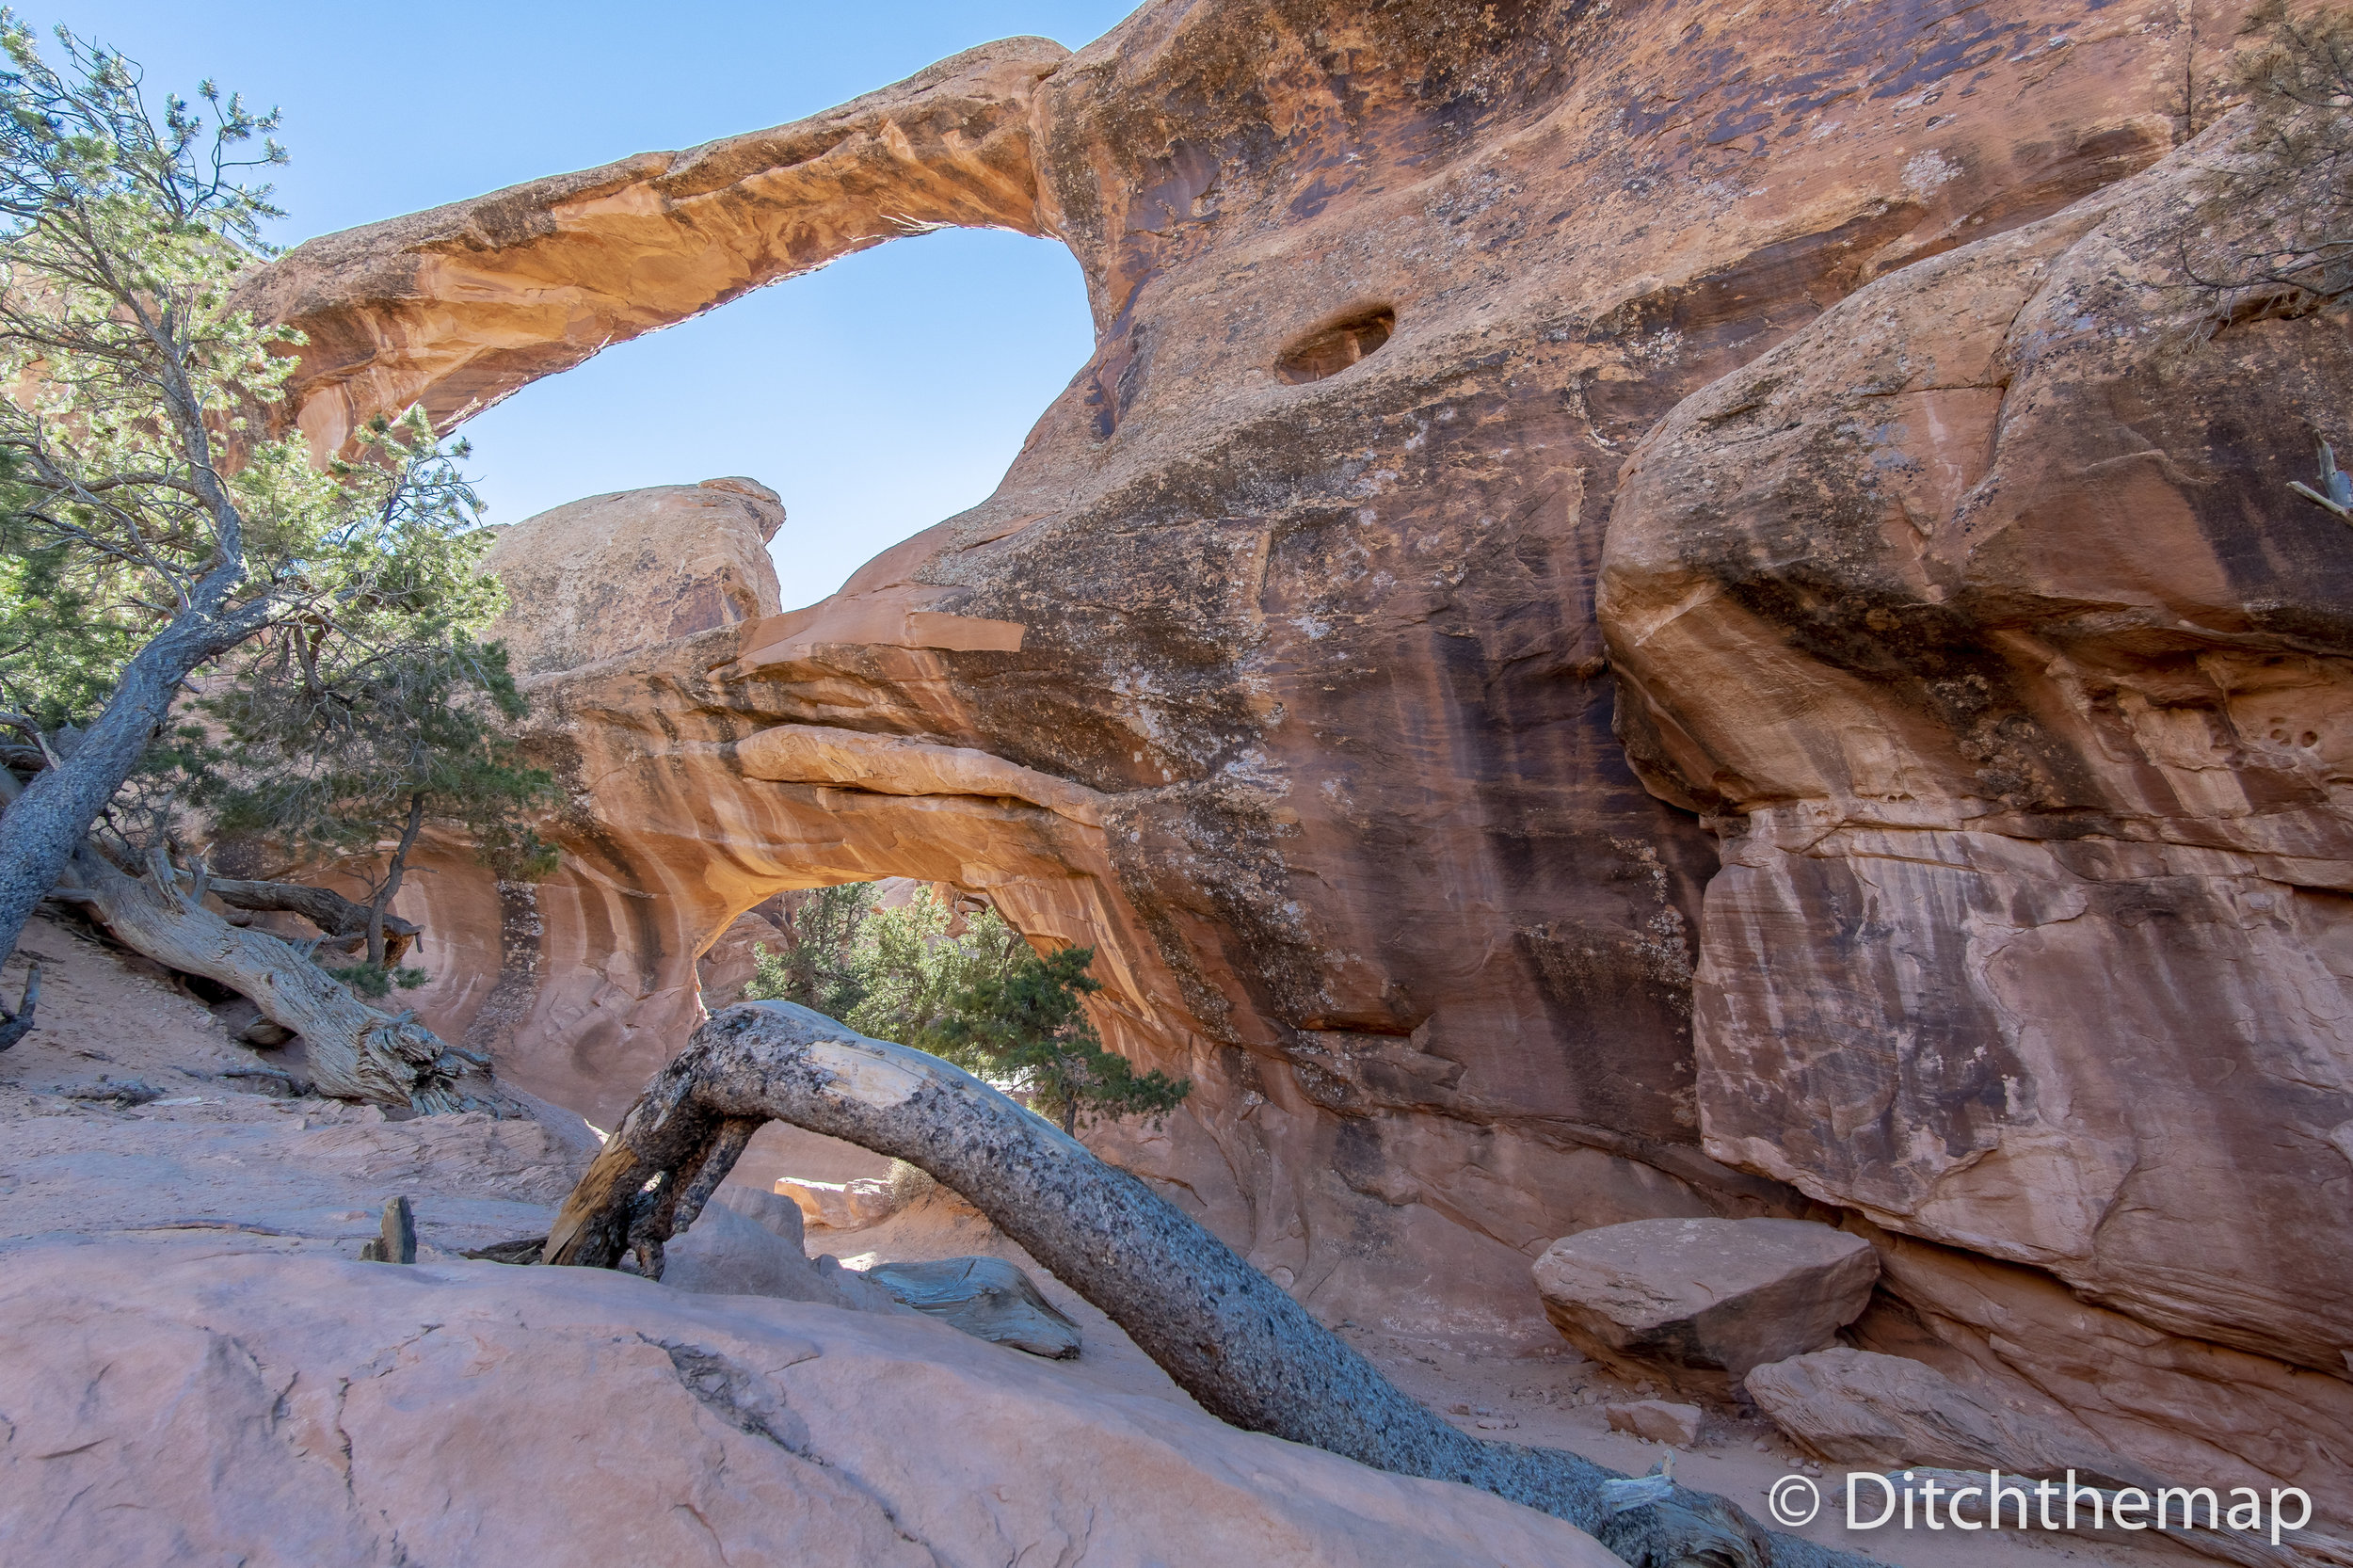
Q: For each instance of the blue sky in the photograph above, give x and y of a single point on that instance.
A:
(877, 396)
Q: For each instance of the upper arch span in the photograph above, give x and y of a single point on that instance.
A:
(458, 306)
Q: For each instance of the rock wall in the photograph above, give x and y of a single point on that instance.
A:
(1290, 663)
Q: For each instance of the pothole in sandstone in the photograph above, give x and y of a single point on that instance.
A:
(1329, 350)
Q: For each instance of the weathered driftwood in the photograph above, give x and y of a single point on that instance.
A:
(1224, 1332)
(396, 1239)
(333, 914)
(355, 1053)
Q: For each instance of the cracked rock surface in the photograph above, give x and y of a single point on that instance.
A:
(183, 1404)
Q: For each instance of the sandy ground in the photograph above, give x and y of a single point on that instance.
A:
(215, 1153)
(210, 1150)
(1556, 1400)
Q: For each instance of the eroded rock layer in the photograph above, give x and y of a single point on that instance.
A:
(1280, 666)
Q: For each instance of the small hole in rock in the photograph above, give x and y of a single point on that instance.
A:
(1329, 350)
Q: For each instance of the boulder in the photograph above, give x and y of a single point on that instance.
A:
(1659, 1421)
(840, 1205)
(747, 1242)
(987, 1297)
(728, 1254)
(175, 1404)
(1700, 1301)
(771, 1212)
(1884, 1412)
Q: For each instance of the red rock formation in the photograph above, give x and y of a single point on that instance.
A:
(1274, 668)
(549, 272)
(1979, 618)
(589, 582)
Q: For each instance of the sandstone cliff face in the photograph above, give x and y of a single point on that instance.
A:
(1981, 615)
(1279, 668)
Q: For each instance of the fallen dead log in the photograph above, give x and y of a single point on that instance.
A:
(356, 1051)
(1226, 1333)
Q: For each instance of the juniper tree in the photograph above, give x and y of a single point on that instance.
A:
(2275, 215)
(150, 526)
(1026, 1025)
(982, 999)
(913, 972)
(375, 708)
(378, 710)
(817, 963)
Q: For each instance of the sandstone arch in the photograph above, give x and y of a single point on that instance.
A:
(1326, 657)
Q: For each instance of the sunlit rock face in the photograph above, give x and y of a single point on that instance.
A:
(1980, 617)
(616, 574)
(1857, 803)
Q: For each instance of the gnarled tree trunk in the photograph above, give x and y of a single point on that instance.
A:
(42, 823)
(1225, 1333)
(355, 1053)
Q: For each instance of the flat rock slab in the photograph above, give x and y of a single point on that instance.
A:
(171, 1404)
(1701, 1302)
(987, 1297)
(1658, 1420)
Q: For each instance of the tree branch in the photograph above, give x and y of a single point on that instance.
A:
(338, 917)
